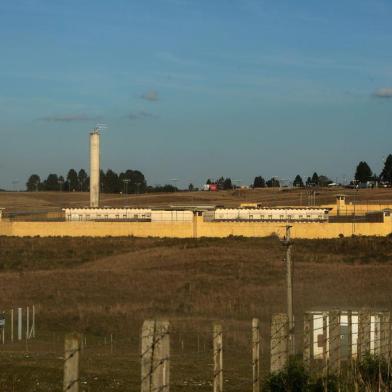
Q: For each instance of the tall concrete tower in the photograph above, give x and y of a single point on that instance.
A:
(94, 168)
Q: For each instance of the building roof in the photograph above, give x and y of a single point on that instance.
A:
(278, 208)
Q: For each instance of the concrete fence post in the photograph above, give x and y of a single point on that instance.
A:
(218, 357)
(3, 327)
(325, 342)
(363, 345)
(279, 342)
(256, 354)
(155, 356)
(385, 336)
(32, 331)
(12, 325)
(20, 316)
(377, 334)
(27, 322)
(308, 340)
(350, 336)
(334, 342)
(71, 363)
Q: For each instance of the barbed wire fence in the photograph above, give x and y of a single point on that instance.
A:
(334, 344)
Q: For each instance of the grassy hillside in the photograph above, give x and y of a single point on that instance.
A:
(54, 201)
(108, 286)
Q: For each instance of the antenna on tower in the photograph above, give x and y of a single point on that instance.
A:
(99, 128)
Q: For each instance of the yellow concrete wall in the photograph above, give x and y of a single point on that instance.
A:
(5, 227)
(311, 230)
(197, 228)
(357, 209)
(98, 229)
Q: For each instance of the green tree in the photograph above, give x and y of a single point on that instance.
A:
(102, 179)
(52, 182)
(191, 187)
(111, 183)
(386, 174)
(82, 180)
(137, 181)
(298, 181)
(315, 179)
(72, 180)
(169, 188)
(33, 183)
(323, 180)
(308, 181)
(259, 182)
(219, 182)
(363, 172)
(227, 184)
(273, 183)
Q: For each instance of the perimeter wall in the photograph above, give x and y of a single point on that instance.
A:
(195, 229)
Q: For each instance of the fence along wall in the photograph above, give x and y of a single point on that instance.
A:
(193, 229)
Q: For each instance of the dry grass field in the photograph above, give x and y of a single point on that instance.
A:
(109, 286)
(54, 201)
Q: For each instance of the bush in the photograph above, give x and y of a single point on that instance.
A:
(371, 368)
(293, 378)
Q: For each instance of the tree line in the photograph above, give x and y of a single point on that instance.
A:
(314, 180)
(133, 181)
(130, 181)
(364, 173)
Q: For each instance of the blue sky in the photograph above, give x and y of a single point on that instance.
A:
(192, 89)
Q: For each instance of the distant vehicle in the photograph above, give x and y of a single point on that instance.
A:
(332, 184)
(210, 187)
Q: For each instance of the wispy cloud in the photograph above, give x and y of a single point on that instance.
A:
(69, 118)
(385, 92)
(175, 59)
(141, 114)
(151, 96)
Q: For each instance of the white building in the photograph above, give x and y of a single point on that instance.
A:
(127, 214)
(186, 214)
(272, 214)
(97, 214)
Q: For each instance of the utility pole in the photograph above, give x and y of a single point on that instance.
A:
(126, 181)
(289, 287)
